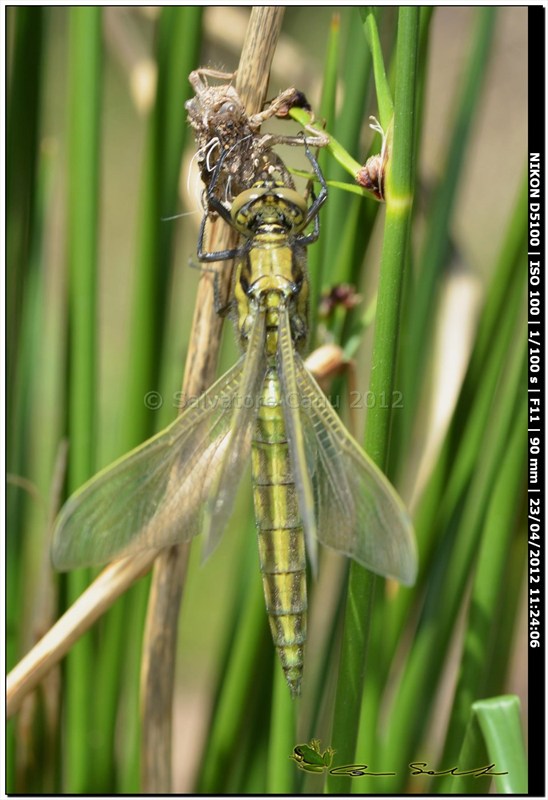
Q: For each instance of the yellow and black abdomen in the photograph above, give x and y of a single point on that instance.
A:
(280, 532)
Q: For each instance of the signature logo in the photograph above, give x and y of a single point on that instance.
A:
(310, 758)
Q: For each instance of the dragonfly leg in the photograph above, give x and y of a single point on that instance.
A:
(322, 197)
(220, 255)
(221, 308)
(317, 202)
(213, 202)
(311, 237)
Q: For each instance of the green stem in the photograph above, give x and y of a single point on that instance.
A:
(384, 95)
(85, 67)
(23, 115)
(230, 710)
(495, 333)
(436, 245)
(327, 112)
(500, 525)
(281, 772)
(456, 556)
(493, 735)
(178, 39)
(361, 585)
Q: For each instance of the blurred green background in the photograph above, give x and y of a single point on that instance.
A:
(135, 177)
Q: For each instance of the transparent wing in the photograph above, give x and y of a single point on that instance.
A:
(223, 491)
(358, 511)
(154, 496)
(288, 376)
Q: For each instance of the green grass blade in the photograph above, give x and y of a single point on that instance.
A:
(418, 325)
(426, 14)
(450, 572)
(178, 39)
(356, 75)
(233, 702)
(30, 592)
(503, 287)
(396, 234)
(23, 111)
(395, 248)
(177, 50)
(327, 112)
(328, 101)
(24, 97)
(128, 764)
(492, 341)
(493, 736)
(22, 149)
(44, 333)
(346, 716)
(83, 204)
(281, 773)
(499, 720)
(361, 585)
(489, 579)
(435, 510)
(384, 95)
(85, 66)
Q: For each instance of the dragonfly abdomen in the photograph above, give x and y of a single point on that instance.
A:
(280, 532)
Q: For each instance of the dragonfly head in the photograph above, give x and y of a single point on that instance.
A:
(268, 203)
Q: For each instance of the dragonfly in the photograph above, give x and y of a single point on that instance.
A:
(311, 481)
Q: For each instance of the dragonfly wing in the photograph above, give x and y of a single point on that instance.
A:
(359, 513)
(244, 412)
(288, 375)
(152, 497)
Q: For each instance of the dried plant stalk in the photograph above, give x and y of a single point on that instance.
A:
(160, 643)
(98, 597)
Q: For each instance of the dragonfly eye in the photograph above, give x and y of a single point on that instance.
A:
(227, 108)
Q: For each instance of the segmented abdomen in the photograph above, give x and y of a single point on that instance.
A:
(280, 533)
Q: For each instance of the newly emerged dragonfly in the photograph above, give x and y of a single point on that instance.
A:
(311, 480)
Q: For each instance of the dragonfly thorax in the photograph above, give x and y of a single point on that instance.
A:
(268, 295)
(272, 274)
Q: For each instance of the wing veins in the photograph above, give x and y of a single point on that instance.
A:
(359, 512)
(113, 513)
